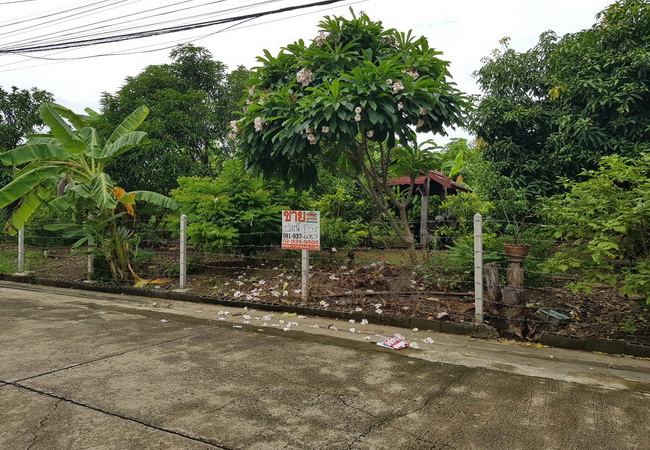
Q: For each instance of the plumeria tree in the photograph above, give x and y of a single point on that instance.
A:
(354, 97)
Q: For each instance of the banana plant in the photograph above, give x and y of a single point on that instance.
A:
(65, 172)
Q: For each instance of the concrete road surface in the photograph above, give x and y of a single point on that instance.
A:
(82, 370)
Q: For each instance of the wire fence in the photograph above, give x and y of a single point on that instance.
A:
(469, 281)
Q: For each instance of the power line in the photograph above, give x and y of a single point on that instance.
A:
(155, 32)
(86, 33)
(166, 46)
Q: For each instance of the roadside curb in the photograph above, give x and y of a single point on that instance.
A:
(463, 328)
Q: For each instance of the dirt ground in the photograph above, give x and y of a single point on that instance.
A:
(379, 288)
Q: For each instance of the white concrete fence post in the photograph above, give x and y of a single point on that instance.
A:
(305, 276)
(183, 255)
(478, 268)
(21, 250)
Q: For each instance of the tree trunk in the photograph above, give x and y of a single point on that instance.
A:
(514, 307)
(515, 273)
(493, 289)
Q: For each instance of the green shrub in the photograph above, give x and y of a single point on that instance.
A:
(605, 223)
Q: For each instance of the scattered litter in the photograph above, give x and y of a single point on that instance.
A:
(268, 317)
(414, 345)
(237, 326)
(352, 321)
(393, 343)
(358, 309)
(433, 299)
(416, 329)
(222, 318)
(164, 320)
(378, 311)
(293, 324)
(441, 315)
(247, 322)
(314, 326)
(353, 330)
(246, 317)
(286, 328)
(367, 338)
(290, 314)
(399, 336)
(199, 310)
(332, 327)
(302, 317)
(364, 321)
(428, 340)
(280, 321)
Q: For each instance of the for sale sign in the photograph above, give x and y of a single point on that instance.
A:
(301, 230)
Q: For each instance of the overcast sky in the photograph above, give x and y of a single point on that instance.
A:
(464, 30)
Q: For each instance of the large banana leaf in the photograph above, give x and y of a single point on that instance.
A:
(26, 182)
(129, 124)
(28, 206)
(93, 145)
(77, 120)
(101, 187)
(156, 199)
(60, 129)
(62, 204)
(124, 143)
(35, 152)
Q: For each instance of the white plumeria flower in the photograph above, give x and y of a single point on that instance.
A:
(398, 86)
(357, 118)
(258, 123)
(400, 106)
(304, 76)
(325, 130)
(423, 111)
(370, 133)
(358, 110)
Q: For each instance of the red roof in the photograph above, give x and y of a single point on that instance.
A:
(434, 175)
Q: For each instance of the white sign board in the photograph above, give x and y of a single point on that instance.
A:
(301, 230)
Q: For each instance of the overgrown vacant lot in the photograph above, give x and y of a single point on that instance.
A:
(371, 282)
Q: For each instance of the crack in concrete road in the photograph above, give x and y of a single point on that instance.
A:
(112, 355)
(423, 405)
(42, 422)
(112, 414)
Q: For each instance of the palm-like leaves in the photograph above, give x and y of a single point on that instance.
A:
(74, 154)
